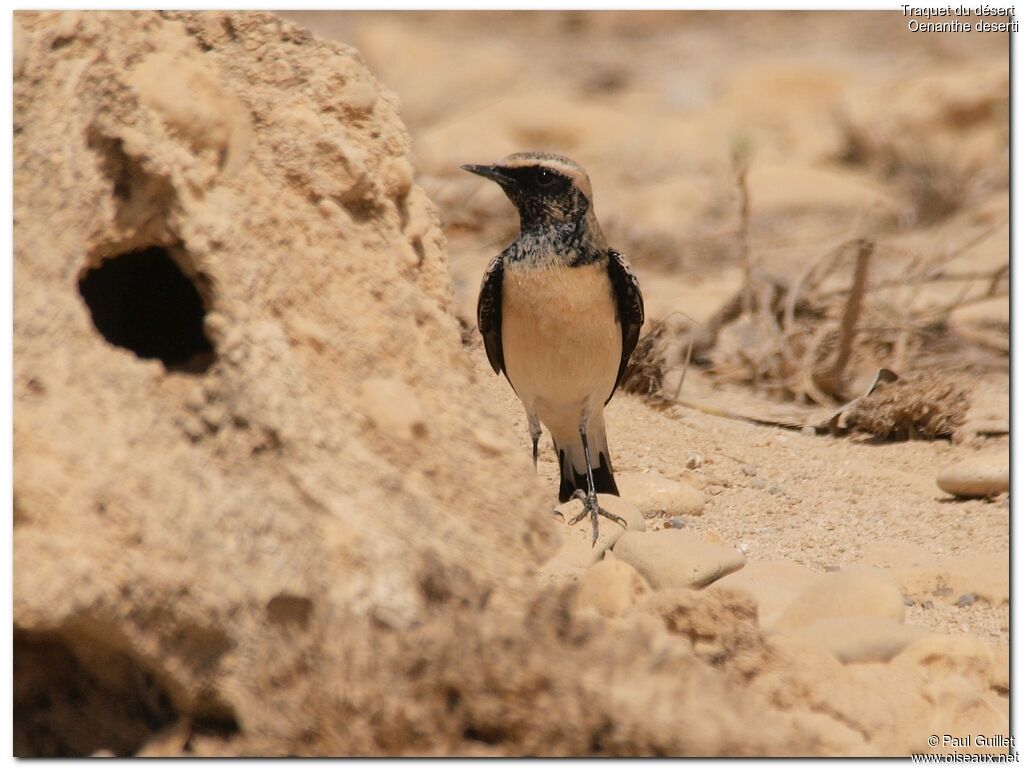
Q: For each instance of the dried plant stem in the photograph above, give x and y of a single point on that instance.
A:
(741, 167)
(938, 314)
(848, 323)
(992, 278)
(832, 381)
(686, 364)
(996, 277)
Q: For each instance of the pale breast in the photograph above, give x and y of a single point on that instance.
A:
(561, 340)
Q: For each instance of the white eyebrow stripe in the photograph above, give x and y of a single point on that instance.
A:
(557, 163)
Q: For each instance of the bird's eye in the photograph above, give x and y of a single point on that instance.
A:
(545, 177)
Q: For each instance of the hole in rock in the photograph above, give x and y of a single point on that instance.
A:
(285, 609)
(72, 702)
(143, 301)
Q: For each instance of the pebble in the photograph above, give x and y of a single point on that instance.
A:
(862, 639)
(611, 587)
(857, 591)
(655, 495)
(758, 482)
(694, 460)
(676, 522)
(969, 599)
(909, 602)
(749, 470)
(772, 583)
(609, 532)
(674, 558)
(976, 477)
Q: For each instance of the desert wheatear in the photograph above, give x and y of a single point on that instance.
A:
(560, 314)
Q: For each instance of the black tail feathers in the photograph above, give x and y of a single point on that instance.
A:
(604, 479)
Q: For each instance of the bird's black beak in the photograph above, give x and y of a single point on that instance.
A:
(492, 172)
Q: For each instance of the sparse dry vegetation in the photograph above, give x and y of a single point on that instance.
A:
(925, 406)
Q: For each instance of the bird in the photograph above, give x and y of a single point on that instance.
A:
(560, 314)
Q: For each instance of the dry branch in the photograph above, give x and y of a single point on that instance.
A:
(833, 381)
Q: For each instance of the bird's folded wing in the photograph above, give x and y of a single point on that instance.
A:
(488, 313)
(630, 304)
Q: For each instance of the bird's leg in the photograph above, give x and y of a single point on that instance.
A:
(534, 435)
(589, 498)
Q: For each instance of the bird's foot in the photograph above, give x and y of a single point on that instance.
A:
(592, 508)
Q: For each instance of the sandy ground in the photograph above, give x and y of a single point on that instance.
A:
(650, 103)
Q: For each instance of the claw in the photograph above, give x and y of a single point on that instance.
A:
(592, 508)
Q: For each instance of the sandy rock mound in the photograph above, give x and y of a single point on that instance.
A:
(223, 272)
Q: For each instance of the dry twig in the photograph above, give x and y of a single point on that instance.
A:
(833, 381)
